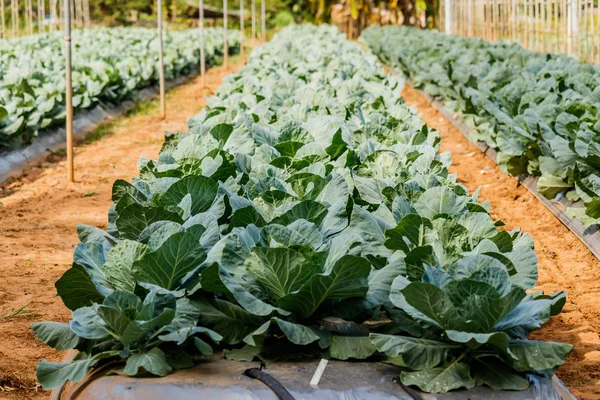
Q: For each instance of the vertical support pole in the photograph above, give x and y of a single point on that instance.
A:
(556, 28)
(225, 42)
(3, 36)
(161, 61)
(69, 92)
(15, 18)
(263, 19)
(202, 55)
(447, 16)
(39, 15)
(53, 16)
(30, 15)
(470, 18)
(242, 36)
(585, 50)
(592, 29)
(253, 6)
(570, 28)
(598, 37)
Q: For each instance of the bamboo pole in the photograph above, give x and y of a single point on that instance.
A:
(80, 13)
(555, 33)
(53, 17)
(202, 40)
(242, 35)
(161, 61)
(586, 49)
(592, 37)
(30, 11)
(39, 15)
(563, 25)
(577, 28)
(3, 26)
(69, 93)
(598, 41)
(15, 18)
(86, 14)
(225, 43)
(547, 20)
(263, 20)
(253, 6)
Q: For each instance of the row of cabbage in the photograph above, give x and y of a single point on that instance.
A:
(306, 212)
(541, 112)
(109, 65)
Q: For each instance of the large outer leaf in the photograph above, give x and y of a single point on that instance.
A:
(348, 278)
(57, 335)
(345, 347)
(52, 375)
(231, 321)
(201, 189)
(413, 227)
(428, 302)
(153, 361)
(497, 375)
(76, 289)
(118, 268)
(439, 200)
(536, 355)
(418, 354)
(454, 375)
(134, 218)
(280, 271)
(165, 267)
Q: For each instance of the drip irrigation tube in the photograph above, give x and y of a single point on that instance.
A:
(272, 383)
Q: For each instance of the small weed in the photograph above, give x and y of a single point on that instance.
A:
(89, 194)
(15, 312)
(142, 107)
(104, 129)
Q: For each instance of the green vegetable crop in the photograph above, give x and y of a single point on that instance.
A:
(306, 212)
(109, 65)
(541, 112)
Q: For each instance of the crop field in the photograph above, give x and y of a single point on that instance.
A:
(109, 65)
(539, 111)
(313, 205)
(305, 191)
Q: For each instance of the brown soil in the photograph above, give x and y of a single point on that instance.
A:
(38, 213)
(564, 262)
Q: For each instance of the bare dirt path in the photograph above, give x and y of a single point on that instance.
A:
(564, 262)
(38, 214)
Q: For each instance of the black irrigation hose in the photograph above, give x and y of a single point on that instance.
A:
(273, 384)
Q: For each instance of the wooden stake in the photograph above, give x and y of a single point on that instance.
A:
(598, 17)
(263, 19)
(161, 62)
(202, 40)
(253, 6)
(69, 92)
(15, 18)
(225, 43)
(242, 35)
(3, 27)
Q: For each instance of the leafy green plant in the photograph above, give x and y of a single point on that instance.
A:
(539, 111)
(306, 212)
(109, 65)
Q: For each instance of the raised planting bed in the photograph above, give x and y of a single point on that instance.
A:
(218, 379)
